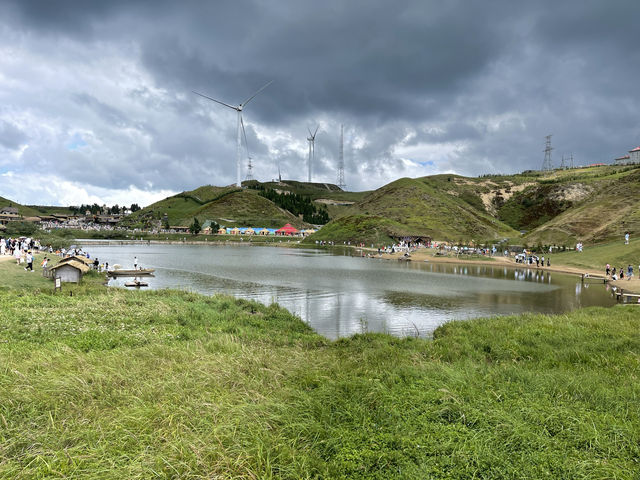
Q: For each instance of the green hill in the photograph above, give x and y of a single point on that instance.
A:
(417, 207)
(23, 210)
(600, 208)
(227, 206)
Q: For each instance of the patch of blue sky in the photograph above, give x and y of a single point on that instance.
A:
(76, 142)
(426, 163)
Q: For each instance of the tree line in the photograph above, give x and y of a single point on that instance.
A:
(96, 209)
(298, 205)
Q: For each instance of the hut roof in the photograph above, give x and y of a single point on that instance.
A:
(288, 228)
(72, 263)
(78, 258)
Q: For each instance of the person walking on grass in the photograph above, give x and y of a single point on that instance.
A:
(626, 238)
(629, 272)
(29, 261)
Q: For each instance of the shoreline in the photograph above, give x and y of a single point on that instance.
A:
(629, 286)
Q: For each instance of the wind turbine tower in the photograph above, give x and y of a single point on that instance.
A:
(249, 164)
(238, 109)
(341, 183)
(312, 149)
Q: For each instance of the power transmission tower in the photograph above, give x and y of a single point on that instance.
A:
(571, 159)
(563, 165)
(249, 170)
(546, 165)
(341, 183)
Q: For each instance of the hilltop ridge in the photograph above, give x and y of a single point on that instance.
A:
(589, 204)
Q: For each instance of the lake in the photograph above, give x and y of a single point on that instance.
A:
(339, 295)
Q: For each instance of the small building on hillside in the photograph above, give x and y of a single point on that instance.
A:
(9, 210)
(622, 159)
(9, 217)
(634, 155)
(70, 271)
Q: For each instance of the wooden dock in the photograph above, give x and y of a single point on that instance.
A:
(621, 295)
(596, 278)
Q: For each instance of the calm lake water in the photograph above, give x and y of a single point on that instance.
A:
(340, 295)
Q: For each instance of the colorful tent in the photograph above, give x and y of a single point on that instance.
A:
(287, 230)
(235, 231)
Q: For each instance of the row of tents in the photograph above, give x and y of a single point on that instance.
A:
(287, 230)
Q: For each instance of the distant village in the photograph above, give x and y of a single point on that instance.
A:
(101, 220)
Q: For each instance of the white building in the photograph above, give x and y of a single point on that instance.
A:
(634, 155)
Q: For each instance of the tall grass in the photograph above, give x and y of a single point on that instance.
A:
(122, 384)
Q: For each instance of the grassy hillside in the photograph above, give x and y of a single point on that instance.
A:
(592, 204)
(247, 208)
(117, 384)
(23, 210)
(606, 211)
(416, 207)
(227, 206)
(51, 210)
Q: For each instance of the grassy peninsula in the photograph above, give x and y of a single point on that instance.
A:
(165, 384)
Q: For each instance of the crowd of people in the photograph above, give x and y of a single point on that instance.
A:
(619, 273)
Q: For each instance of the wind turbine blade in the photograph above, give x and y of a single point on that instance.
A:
(252, 96)
(214, 100)
(309, 130)
(314, 133)
(246, 144)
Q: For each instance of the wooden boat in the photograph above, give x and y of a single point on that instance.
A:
(121, 272)
(136, 283)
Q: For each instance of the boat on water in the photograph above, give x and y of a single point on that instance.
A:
(136, 283)
(122, 272)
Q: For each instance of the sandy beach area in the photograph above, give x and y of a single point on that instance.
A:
(630, 286)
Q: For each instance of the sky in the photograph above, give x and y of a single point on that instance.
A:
(97, 102)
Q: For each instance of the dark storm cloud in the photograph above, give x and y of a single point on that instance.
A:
(422, 86)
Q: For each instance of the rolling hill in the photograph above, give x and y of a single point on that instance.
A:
(417, 207)
(229, 206)
(23, 210)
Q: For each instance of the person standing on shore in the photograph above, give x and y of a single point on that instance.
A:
(626, 238)
(607, 269)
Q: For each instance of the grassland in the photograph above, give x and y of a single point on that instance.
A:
(227, 206)
(22, 209)
(118, 384)
(415, 207)
(616, 254)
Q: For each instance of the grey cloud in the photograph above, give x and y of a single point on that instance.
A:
(11, 136)
(483, 83)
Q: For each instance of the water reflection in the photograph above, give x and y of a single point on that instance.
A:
(340, 295)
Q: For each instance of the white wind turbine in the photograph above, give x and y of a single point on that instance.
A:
(312, 149)
(238, 109)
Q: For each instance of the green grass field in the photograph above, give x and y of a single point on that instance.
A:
(615, 253)
(119, 384)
